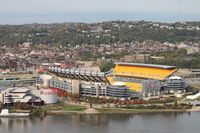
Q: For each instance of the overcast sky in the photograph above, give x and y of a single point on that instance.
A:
(47, 11)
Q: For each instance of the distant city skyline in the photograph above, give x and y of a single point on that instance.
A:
(89, 11)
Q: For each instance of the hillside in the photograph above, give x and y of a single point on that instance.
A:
(99, 33)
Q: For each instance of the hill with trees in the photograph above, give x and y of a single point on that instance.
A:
(73, 34)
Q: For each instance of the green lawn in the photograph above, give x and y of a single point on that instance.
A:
(64, 107)
(70, 107)
(110, 110)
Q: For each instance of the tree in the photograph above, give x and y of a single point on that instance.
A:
(106, 65)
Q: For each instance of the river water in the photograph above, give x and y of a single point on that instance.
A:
(117, 123)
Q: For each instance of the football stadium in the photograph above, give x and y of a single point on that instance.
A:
(124, 81)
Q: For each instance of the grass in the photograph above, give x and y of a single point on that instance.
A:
(71, 107)
(65, 107)
(115, 110)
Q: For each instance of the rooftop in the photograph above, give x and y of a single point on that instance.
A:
(19, 90)
(175, 78)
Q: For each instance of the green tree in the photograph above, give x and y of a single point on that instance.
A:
(106, 65)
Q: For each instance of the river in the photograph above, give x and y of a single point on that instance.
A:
(116, 123)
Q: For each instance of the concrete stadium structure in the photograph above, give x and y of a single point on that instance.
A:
(176, 84)
(125, 80)
(141, 79)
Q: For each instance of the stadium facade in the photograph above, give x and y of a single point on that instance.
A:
(125, 80)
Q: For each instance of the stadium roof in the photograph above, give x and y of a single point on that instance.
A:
(146, 65)
(80, 74)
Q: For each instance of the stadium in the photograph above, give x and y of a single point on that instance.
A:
(124, 81)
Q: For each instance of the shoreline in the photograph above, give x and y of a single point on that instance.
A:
(73, 109)
(120, 111)
(81, 109)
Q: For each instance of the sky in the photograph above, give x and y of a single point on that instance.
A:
(89, 11)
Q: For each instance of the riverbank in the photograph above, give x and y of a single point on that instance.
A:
(117, 111)
(93, 111)
(80, 109)
(72, 108)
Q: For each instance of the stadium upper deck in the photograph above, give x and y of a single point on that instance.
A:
(146, 71)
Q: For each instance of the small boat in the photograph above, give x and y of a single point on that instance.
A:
(5, 113)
